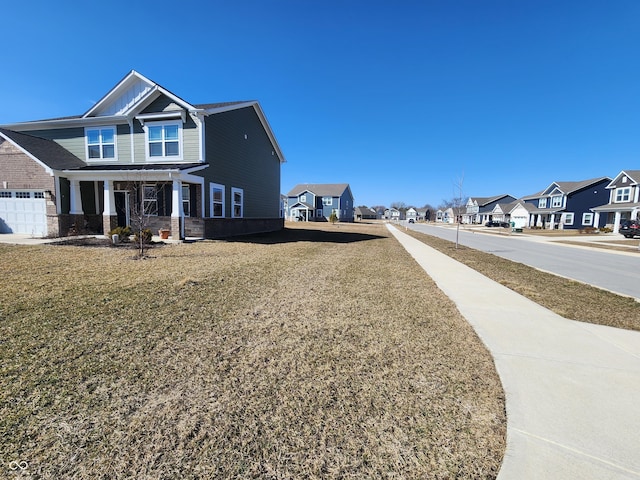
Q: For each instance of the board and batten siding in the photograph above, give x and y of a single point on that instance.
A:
(240, 155)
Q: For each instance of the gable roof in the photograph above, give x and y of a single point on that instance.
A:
(131, 95)
(46, 152)
(483, 201)
(566, 188)
(633, 175)
(320, 189)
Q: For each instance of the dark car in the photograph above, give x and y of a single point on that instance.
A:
(630, 228)
(411, 220)
(492, 223)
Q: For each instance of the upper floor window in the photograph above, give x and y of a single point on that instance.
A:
(217, 200)
(327, 201)
(303, 198)
(101, 143)
(164, 140)
(237, 197)
(556, 201)
(542, 203)
(623, 194)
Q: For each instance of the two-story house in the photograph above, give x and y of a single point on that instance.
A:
(315, 202)
(567, 205)
(623, 195)
(478, 210)
(203, 170)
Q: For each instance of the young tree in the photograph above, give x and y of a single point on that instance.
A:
(144, 205)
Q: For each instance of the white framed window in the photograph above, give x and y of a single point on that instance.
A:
(542, 203)
(164, 140)
(150, 200)
(587, 218)
(319, 213)
(303, 198)
(623, 195)
(186, 200)
(100, 143)
(556, 201)
(23, 194)
(217, 200)
(568, 218)
(237, 202)
(328, 201)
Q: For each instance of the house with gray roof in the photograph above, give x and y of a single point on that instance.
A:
(315, 202)
(365, 213)
(478, 210)
(568, 205)
(623, 200)
(202, 170)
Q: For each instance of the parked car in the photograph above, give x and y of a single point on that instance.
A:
(411, 220)
(630, 228)
(492, 223)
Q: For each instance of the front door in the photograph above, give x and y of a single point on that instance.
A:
(122, 207)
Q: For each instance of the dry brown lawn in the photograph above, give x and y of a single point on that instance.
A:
(318, 352)
(571, 299)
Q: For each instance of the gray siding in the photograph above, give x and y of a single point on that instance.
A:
(248, 163)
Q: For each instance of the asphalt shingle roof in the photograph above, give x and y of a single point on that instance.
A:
(321, 189)
(47, 151)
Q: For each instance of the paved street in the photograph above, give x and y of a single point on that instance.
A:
(612, 270)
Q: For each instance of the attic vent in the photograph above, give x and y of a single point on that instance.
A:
(624, 179)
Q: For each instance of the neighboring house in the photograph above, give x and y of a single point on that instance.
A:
(411, 214)
(568, 205)
(210, 170)
(365, 213)
(316, 202)
(516, 213)
(392, 214)
(445, 216)
(479, 209)
(623, 200)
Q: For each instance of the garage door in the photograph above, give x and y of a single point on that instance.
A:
(23, 211)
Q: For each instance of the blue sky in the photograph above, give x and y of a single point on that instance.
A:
(403, 100)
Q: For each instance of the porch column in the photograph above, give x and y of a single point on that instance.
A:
(616, 222)
(109, 216)
(75, 198)
(177, 212)
(596, 219)
(552, 222)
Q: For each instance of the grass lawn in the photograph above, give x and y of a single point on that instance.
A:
(317, 352)
(568, 298)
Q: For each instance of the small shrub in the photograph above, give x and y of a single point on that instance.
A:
(123, 232)
(333, 218)
(146, 236)
(606, 230)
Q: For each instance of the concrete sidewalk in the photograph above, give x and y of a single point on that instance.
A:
(572, 389)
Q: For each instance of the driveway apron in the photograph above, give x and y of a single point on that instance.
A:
(572, 389)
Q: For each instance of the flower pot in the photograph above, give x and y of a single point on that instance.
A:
(164, 233)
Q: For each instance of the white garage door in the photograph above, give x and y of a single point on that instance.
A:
(23, 211)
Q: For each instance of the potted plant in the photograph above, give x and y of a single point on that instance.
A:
(164, 233)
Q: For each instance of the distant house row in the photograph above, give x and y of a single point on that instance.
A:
(596, 203)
